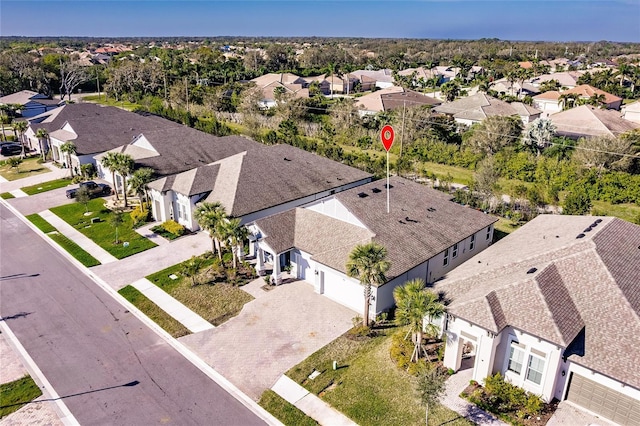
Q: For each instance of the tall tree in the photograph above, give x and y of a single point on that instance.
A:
(539, 134)
(493, 133)
(236, 233)
(43, 138)
(209, 216)
(431, 386)
(20, 127)
(138, 184)
(72, 75)
(414, 303)
(109, 160)
(124, 164)
(368, 263)
(605, 153)
(69, 148)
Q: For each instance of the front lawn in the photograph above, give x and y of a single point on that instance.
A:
(284, 411)
(7, 196)
(214, 300)
(154, 312)
(46, 186)
(71, 247)
(367, 386)
(14, 395)
(28, 167)
(102, 232)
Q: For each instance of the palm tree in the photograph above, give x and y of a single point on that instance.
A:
(538, 134)
(42, 136)
(124, 166)
(451, 90)
(21, 127)
(568, 100)
(138, 184)
(209, 216)
(413, 304)
(236, 234)
(69, 148)
(368, 263)
(109, 161)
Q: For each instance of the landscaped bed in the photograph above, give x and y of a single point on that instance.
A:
(14, 395)
(28, 167)
(98, 228)
(367, 386)
(46, 186)
(72, 248)
(215, 298)
(155, 313)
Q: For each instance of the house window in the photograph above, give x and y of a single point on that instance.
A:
(446, 258)
(455, 251)
(534, 369)
(488, 233)
(516, 357)
(472, 244)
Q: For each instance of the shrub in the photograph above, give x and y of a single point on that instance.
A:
(401, 351)
(173, 227)
(139, 217)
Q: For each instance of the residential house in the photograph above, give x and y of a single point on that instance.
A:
(631, 112)
(555, 308)
(251, 180)
(505, 87)
(383, 78)
(426, 235)
(548, 102)
(586, 121)
(31, 103)
(391, 98)
(475, 108)
(92, 128)
(585, 92)
(567, 79)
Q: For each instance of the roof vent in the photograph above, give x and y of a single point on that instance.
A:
(431, 209)
(593, 225)
(376, 190)
(411, 220)
(598, 220)
(579, 236)
(389, 186)
(532, 270)
(401, 222)
(587, 229)
(286, 159)
(362, 195)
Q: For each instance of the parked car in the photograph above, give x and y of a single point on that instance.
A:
(10, 148)
(94, 189)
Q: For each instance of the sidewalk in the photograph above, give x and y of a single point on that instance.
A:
(310, 404)
(194, 322)
(77, 237)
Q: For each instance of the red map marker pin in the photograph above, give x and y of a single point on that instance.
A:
(386, 134)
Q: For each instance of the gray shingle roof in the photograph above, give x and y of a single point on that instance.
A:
(587, 120)
(590, 283)
(480, 106)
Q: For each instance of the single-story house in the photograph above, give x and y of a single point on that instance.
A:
(584, 91)
(555, 308)
(391, 98)
(93, 129)
(425, 233)
(31, 103)
(586, 120)
(506, 87)
(383, 78)
(548, 102)
(567, 79)
(631, 112)
(475, 108)
(251, 180)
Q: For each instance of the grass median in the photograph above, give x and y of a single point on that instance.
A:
(72, 248)
(97, 227)
(153, 311)
(284, 411)
(14, 395)
(46, 186)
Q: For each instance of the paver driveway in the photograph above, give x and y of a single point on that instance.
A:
(271, 334)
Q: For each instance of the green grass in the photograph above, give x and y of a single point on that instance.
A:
(14, 395)
(157, 315)
(103, 100)
(284, 411)
(628, 212)
(502, 228)
(215, 303)
(46, 186)
(367, 386)
(70, 247)
(7, 196)
(102, 232)
(29, 167)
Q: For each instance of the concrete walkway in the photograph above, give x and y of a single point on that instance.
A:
(18, 193)
(77, 237)
(194, 322)
(309, 404)
(455, 385)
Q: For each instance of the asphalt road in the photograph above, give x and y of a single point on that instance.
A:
(88, 346)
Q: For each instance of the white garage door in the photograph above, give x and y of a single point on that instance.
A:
(603, 401)
(343, 291)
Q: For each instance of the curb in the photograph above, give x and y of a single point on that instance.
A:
(183, 350)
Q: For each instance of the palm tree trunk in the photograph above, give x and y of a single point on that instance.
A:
(367, 300)
(124, 190)
(113, 178)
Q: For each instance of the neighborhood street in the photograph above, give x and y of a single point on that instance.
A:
(105, 364)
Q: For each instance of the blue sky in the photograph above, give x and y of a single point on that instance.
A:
(556, 20)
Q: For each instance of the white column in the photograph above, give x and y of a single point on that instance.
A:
(259, 262)
(276, 276)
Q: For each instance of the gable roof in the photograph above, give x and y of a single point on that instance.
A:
(480, 106)
(586, 91)
(587, 120)
(566, 78)
(422, 221)
(260, 177)
(554, 277)
(23, 97)
(99, 128)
